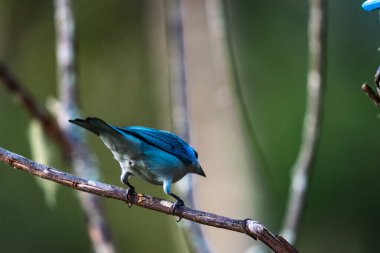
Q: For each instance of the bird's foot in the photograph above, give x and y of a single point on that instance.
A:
(177, 204)
(130, 192)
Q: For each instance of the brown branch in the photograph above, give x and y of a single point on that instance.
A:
(250, 227)
(371, 94)
(51, 127)
(374, 96)
(49, 124)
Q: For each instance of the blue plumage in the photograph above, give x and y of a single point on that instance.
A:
(371, 5)
(156, 156)
(164, 140)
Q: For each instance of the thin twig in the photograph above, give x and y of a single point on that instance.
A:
(371, 94)
(374, 96)
(248, 226)
(312, 122)
(226, 72)
(82, 161)
(195, 238)
(177, 68)
(27, 100)
(226, 67)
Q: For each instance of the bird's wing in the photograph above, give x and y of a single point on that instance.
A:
(165, 141)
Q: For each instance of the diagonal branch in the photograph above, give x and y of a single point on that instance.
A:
(374, 96)
(250, 227)
(51, 127)
(316, 86)
(35, 110)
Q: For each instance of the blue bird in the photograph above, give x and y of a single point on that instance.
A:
(156, 156)
(371, 5)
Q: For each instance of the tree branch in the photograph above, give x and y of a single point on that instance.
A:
(50, 125)
(219, 26)
(316, 85)
(371, 94)
(81, 159)
(250, 227)
(374, 96)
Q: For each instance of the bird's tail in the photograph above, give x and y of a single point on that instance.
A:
(94, 125)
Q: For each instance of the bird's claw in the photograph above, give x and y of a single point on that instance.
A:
(177, 204)
(130, 191)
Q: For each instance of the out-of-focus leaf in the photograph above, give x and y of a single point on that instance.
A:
(44, 151)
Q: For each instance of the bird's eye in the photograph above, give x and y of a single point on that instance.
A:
(196, 154)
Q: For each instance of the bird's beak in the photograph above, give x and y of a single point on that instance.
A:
(201, 172)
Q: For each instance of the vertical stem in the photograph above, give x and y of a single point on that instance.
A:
(227, 73)
(82, 161)
(302, 170)
(177, 69)
(236, 83)
(193, 233)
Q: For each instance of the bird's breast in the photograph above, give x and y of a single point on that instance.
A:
(146, 161)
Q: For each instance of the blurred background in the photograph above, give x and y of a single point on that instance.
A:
(123, 79)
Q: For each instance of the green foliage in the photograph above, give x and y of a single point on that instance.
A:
(43, 151)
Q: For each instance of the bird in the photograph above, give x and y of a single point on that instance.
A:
(371, 5)
(156, 156)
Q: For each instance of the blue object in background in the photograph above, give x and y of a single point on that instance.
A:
(371, 5)
(156, 156)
